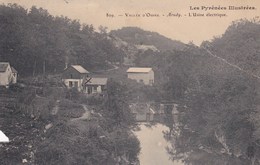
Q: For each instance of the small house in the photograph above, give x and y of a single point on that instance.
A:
(74, 76)
(8, 75)
(141, 75)
(95, 85)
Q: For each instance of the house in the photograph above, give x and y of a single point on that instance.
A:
(8, 75)
(74, 76)
(95, 85)
(142, 75)
(78, 77)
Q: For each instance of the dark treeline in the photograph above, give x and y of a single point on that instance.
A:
(218, 103)
(34, 41)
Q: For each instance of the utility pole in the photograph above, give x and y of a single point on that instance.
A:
(43, 85)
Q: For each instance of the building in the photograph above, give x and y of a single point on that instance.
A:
(8, 75)
(78, 77)
(74, 76)
(95, 85)
(142, 75)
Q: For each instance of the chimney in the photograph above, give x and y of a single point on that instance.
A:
(66, 62)
(66, 65)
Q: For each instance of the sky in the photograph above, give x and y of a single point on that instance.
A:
(185, 28)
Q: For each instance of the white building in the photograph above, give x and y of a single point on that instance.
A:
(142, 75)
(8, 75)
(78, 77)
(95, 85)
(74, 76)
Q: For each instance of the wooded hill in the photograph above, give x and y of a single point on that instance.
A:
(240, 45)
(34, 41)
(218, 96)
(137, 36)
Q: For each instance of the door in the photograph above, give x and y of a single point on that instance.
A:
(89, 89)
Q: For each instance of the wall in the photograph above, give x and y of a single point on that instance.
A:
(5, 77)
(14, 78)
(66, 82)
(146, 77)
(99, 89)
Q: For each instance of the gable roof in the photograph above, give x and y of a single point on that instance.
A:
(138, 70)
(3, 66)
(96, 81)
(79, 68)
(13, 70)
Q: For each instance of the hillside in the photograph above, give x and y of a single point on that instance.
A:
(222, 100)
(240, 45)
(137, 36)
(35, 42)
(217, 96)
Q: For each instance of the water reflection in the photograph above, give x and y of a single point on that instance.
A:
(153, 150)
(153, 146)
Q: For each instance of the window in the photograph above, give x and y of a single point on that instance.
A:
(150, 81)
(70, 75)
(95, 88)
(141, 81)
(76, 84)
(70, 84)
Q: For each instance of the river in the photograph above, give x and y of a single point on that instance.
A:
(153, 146)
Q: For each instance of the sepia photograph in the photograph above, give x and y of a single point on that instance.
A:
(127, 82)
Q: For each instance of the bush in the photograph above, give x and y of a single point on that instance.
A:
(72, 94)
(92, 100)
(69, 109)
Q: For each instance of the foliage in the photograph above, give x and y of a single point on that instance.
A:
(104, 138)
(217, 102)
(138, 36)
(69, 109)
(239, 45)
(23, 120)
(138, 92)
(217, 105)
(116, 106)
(72, 94)
(35, 42)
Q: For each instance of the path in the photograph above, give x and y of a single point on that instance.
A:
(85, 115)
(107, 70)
(55, 108)
(232, 65)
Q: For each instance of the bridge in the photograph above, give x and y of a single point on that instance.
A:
(153, 112)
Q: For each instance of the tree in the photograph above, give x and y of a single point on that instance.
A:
(116, 106)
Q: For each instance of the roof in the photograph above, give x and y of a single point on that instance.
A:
(13, 70)
(138, 70)
(96, 81)
(3, 66)
(79, 68)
